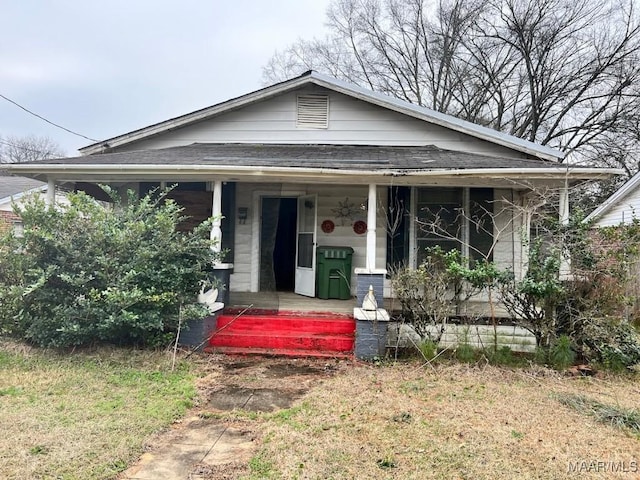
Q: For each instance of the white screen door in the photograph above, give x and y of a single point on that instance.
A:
(306, 246)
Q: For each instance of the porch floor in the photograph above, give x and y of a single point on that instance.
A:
(292, 302)
(288, 302)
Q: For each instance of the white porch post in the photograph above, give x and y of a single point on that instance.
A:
(563, 207)
(216, 230)
(51, 191)
(372, 207)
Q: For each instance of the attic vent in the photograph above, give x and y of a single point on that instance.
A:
(313, 111)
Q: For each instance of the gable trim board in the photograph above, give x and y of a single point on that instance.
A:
(351, 90)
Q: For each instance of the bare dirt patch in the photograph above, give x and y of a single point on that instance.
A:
(265, 385)
(232, 397)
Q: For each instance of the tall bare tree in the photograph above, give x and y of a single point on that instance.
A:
(28, 149)
(563, 73)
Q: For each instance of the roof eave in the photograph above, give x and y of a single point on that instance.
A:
(19, 195)
(144, 170)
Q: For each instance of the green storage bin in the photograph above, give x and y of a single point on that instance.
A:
(333, 272)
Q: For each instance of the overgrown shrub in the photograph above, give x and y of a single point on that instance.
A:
(532, 300)
(85, 273)
(426, 294)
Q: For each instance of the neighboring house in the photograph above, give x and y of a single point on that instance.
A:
(14, 189)
(621, 208)
(317, 162)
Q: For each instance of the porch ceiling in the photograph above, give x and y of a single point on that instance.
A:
(346, 164)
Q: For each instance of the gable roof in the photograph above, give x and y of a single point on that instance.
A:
(15, 187)
(619, 195)
(349, 89)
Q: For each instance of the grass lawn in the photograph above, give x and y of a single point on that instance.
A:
(88, 415)
(407, 421)
(84, 415)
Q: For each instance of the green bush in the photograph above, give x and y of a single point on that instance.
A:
(561, 353)
(88, 273)
(613, 344)
(465, 353)
(502, 356)
(429, 349)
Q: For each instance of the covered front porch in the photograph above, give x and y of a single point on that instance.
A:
(368, 199)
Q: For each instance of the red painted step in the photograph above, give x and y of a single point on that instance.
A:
(284, 333)
(286, 324)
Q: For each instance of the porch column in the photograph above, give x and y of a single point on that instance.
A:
(563, 207)
(370, 276)
(51, 191)
(372, 206)
(221, 271)
(216, 229)
(371, 317)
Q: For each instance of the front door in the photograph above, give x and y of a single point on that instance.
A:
(306, 246)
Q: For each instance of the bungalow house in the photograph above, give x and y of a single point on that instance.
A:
(317, 172)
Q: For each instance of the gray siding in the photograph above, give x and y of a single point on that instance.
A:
(351, 121)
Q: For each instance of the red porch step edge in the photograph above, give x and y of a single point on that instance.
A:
(277, 352)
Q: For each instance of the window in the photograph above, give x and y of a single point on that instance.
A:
(455, 219)
(398, 228)
(438, 219)
(481, 223)
(197, 203)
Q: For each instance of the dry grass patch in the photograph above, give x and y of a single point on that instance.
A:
(454, 421)
(83, 415)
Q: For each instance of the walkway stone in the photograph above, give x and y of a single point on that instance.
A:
(195, 442)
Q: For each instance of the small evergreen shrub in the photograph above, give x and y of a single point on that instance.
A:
(429, 349)
(502, 356)
(561, 354)
(465, 353)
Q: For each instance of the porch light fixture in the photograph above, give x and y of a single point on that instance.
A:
(243, 213)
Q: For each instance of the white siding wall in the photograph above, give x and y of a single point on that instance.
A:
(623, 212)
(482, 336)
(351, 121)
(246, 258)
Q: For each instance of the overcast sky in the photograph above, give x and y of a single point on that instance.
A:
(109, 67)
